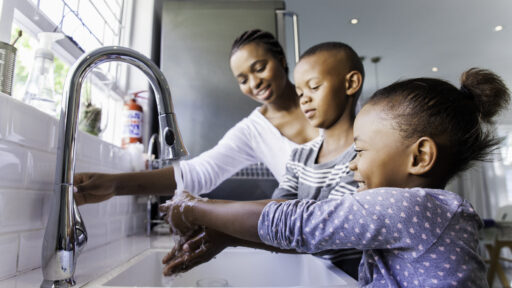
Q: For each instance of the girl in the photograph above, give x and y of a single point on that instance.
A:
(411, 138)
(267, 135)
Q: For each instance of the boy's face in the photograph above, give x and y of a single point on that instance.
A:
(260, 76)
(320, 81)
(382, 154)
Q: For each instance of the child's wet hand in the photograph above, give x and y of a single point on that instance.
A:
(176, 212)
(198, 249)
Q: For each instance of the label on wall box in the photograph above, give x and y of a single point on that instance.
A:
(132, 127)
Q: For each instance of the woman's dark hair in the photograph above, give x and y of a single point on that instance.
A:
(454, 118)
(266, 39)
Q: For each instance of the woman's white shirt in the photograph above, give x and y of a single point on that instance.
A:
(254, 139)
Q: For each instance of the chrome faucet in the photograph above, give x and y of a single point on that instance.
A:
(65, 234)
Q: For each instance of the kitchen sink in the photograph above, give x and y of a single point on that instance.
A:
(234, 267)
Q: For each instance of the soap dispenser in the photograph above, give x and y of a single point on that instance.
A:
(39, 87)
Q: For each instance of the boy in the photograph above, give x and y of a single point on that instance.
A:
(328, 80)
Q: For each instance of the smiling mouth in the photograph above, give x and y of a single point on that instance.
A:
(263, 94)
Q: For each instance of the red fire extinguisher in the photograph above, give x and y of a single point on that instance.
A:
(132, 127)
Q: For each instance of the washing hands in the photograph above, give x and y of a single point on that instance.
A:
(198, 248)
(178, 213)
(195, 244)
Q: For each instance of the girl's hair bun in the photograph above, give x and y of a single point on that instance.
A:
(487, 90)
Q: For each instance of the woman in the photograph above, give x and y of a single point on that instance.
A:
(267, 135)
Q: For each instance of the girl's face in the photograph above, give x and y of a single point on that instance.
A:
(259, 75)
(382, 154)
(320, 84)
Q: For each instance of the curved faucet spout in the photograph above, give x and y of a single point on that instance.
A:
(65, 234)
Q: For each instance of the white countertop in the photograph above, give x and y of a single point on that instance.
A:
(95, 262)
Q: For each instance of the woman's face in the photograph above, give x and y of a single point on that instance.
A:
(382, 154)
(259, 75)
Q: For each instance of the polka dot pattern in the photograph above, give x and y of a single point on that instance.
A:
(410, 237)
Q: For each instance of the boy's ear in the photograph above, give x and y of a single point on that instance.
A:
(353, 82)
(423, 156)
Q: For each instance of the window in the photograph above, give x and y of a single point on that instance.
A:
(91, 23)
(87, 24)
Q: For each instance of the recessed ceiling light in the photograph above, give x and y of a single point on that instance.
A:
(434, 69)
(498, 28)
(354, 21)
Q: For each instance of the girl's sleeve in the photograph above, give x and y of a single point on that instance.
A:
(373, 219)
(233, 152)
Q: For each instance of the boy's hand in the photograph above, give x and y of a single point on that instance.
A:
(92, 188)
(177, 213)
(199, 248)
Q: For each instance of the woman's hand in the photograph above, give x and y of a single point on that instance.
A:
(197, 249)
(92, 188)
(178, 213)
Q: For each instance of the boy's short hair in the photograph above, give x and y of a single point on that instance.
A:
(354, 61)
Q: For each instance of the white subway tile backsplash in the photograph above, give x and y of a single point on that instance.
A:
(89, 147)
(107, 153)
(30, 127)
(115, 229)
(90, 212)
(9, 251)
(41, 170)
(28, 145)
(128, 228)
(4, 114)
(54, 137)
(140, 222)
(30, 250)
(112, 207)
(122, 161)
(21, 210)
(13, 163)
(123, 205)
(103, 206)
(97, 234)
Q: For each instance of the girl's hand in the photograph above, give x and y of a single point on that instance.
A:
(178, 213)
(197, 249)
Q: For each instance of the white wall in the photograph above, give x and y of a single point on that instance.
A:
(28, 141)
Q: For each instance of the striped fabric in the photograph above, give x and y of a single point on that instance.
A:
(305, 179)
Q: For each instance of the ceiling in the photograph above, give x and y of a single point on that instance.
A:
(412, 36)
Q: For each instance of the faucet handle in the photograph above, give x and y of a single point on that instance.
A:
(80, 231)
(172, 147)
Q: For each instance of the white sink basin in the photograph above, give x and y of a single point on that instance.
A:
(239, 267)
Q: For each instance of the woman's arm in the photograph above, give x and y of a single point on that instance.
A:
(97, 187)
(200, 174)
